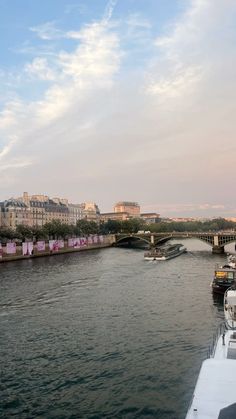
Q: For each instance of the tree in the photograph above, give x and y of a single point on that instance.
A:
(84, 227)
(111, 227)
(6, 233)
(23, 232)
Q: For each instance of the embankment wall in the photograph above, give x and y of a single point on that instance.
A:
(108, 241)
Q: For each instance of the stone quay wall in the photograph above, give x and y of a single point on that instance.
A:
(51, 249)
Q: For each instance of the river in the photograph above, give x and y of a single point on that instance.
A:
(105, 334)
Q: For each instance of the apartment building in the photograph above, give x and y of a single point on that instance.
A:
(37, 210)
(75, 213)
(14, 212)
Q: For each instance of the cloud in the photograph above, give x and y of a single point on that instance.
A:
(40, 69)
(73, 77)
(76, 8)
(48, 31)
(108, 11)
(135, 20)
(163, 131)
(7, 148)
(187, 209)
(15, 164)
(97, 56)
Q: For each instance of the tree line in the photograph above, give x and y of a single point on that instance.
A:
(56, 230)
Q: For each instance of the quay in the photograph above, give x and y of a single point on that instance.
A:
(30, 250)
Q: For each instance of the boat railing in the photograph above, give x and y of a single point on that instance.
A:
(212, 348)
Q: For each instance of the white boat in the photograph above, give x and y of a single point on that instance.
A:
(165, 252)
(231, 261)
(230, 308)
(215, 392)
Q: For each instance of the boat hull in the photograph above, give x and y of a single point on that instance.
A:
(219, 288)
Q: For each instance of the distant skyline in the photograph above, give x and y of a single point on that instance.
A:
(117, 100)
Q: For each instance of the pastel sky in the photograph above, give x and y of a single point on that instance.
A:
(109, 100)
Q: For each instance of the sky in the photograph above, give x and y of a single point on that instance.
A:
(120, 100)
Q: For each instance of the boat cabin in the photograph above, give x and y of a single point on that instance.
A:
(225, 275)
(230, 304)
(231, 350)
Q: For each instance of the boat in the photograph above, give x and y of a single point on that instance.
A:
(230, 308)
(214, 395)
(224, 276)
(165, 252)
(231, 261)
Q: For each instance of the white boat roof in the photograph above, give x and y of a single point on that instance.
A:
(216, 384)
(215, 389)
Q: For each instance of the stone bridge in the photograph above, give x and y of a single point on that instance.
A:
(216, 240)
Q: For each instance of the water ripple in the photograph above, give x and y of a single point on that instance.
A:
(104, 335)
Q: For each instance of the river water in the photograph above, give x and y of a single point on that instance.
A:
(105, 334)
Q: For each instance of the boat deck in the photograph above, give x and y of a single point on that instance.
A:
(216, 384)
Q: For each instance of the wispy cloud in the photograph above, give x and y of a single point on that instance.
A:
(81, 8)
(39, 68)
(48, 31)
(108, 11)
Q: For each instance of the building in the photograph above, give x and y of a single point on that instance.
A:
(131, 208)
(150, 217)
(37, 213)
(116, 216)
(90, 211)
(56, 211)
(44, 209)
(14, 212)
(75, 213)
(37, 210)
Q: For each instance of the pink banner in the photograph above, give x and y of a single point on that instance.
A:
(101, 239)
(1, 251)
(24, 249)
(95, 239)
(27, 248)
(30, 248)
(83, 241)
(70, 242)
(53, 245)
(76, 243)
(90, 240)
(60, 244)
(11, 248)
(41, 246)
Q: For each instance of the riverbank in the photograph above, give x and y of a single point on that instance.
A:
(30, 250)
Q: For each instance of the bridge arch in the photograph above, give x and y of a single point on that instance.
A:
(131, 238)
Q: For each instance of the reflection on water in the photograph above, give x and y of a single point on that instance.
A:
(105, 334)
